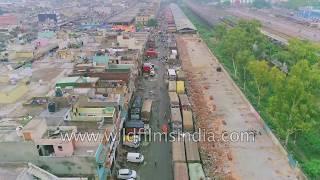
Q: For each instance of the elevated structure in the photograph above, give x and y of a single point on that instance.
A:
(183, 24)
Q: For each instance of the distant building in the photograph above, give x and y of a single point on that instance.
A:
(309, 13)
(8, 20)
(142, 19)
(237, 2)
(47, 16)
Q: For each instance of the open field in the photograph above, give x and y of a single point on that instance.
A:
(270, 23)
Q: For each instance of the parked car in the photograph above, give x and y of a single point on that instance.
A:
(135, 157)
(152, 73)
(126, 174)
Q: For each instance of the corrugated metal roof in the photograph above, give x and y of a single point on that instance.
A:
(68, 80)
(181, 20)
(101, 59)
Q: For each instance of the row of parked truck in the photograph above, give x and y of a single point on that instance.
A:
(138, 121)
(185, 152)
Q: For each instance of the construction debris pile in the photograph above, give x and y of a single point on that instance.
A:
(215, 155)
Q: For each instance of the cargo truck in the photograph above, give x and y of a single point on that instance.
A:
(135, 109)
(174, 100)
(196, 171)
(172, 86)
(176, 121)
(180, 87)
(180, 171)
(192, 151)
(187, 121)
(181, 75)
(151, 53)
(184, 102)
(134, 127)
(178, 152)
(146, 111)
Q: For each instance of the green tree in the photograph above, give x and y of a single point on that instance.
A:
(139, 26)
(313, 168)
(261, 4)
(243, 58)
(260, 73)
(233, 42)
(293, 107)
(152, 22)
(245, 37)
(303, 50)
(220, 30)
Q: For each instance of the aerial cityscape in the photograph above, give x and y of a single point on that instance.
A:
(159, 89)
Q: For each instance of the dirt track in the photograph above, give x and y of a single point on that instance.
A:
(219, 108)
(271, 24)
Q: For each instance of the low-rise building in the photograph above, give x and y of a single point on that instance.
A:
(77, 82)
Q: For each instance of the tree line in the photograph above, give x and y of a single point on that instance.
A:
(287, 100)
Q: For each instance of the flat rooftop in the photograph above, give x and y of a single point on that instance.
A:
(125, 17)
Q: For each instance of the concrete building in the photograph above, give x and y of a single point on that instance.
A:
(77, 82)
(142, 19)
(309, 14)
(8, 21)
(238, 2)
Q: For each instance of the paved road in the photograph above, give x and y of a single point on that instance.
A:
(157, 164)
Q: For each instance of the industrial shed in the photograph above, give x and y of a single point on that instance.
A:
(183, 24)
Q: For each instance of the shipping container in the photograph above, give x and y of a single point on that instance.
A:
(196, 171)
(192, 151)
(184, 102)
(174, 100)
(178, 151)
(172, 86)
(146, 111)
(181, 171)
(180, 87)
(187, 121)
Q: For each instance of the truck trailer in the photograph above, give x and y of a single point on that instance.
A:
(174, 100)
(180, 171)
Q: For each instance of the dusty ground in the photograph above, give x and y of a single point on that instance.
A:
(46, 70)
(279, 25)
(220, 107)
(271, 24)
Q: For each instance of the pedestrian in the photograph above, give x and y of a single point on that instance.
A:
(155, 164)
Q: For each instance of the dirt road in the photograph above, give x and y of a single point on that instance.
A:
(270, 23)
(221, 108)
(279, 26)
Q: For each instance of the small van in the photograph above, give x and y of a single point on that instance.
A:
(172, 74)
(135, 157)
